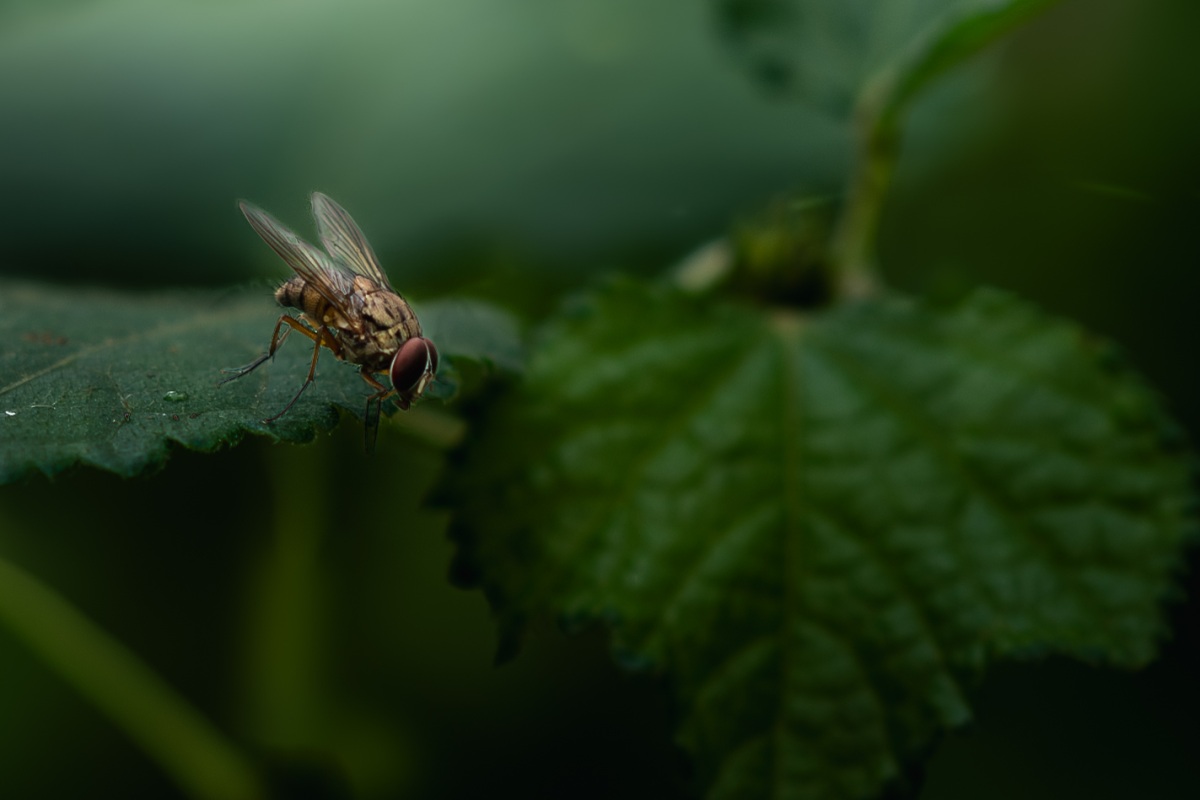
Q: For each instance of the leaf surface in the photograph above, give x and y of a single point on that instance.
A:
(822, 528)
(111, 379)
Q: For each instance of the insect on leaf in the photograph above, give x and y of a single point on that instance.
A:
(114, 379)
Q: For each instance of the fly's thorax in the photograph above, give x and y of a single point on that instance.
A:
(368, 350)
(390, 315)
(387, 322)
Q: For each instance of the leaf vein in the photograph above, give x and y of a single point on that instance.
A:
(936, 438)
(659, 436)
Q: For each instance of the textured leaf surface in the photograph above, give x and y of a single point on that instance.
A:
(111, 379)
(822, 528)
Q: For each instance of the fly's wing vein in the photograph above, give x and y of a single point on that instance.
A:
(334, 282)
(344, 240)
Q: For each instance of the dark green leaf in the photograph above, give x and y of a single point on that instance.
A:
(111, 379)
(823, 527)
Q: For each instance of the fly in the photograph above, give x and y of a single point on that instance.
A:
(346, 304)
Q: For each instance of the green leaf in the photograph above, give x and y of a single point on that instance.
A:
(829, 54)
(960, 32)
(111, 379)
(822, 528)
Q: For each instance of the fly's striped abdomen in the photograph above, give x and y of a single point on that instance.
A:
(299, 294)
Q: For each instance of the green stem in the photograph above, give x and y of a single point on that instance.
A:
(949, 40)
(284, 645)
(855, 271)
(185, 744)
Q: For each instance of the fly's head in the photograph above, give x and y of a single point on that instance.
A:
(413, 369)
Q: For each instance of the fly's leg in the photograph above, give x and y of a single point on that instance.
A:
(276, 343)
(371, 423)
(321, 336)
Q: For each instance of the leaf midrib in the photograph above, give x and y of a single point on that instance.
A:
(792, 400)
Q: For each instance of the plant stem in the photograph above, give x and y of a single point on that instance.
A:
(284, 638)
(185, 744)
(950, 39)
(855, 271)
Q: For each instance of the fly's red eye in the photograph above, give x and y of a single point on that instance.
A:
(415, 359)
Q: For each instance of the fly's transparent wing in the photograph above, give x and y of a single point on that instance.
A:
(334, 282)
(345, 240)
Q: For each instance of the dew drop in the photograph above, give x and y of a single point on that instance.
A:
(175, 397)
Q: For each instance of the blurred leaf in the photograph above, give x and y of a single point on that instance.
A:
(475, 330)
(823, 527)
(828, 53)
(111, 379)
(964, 29)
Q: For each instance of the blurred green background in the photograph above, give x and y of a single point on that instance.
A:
(514, 150)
